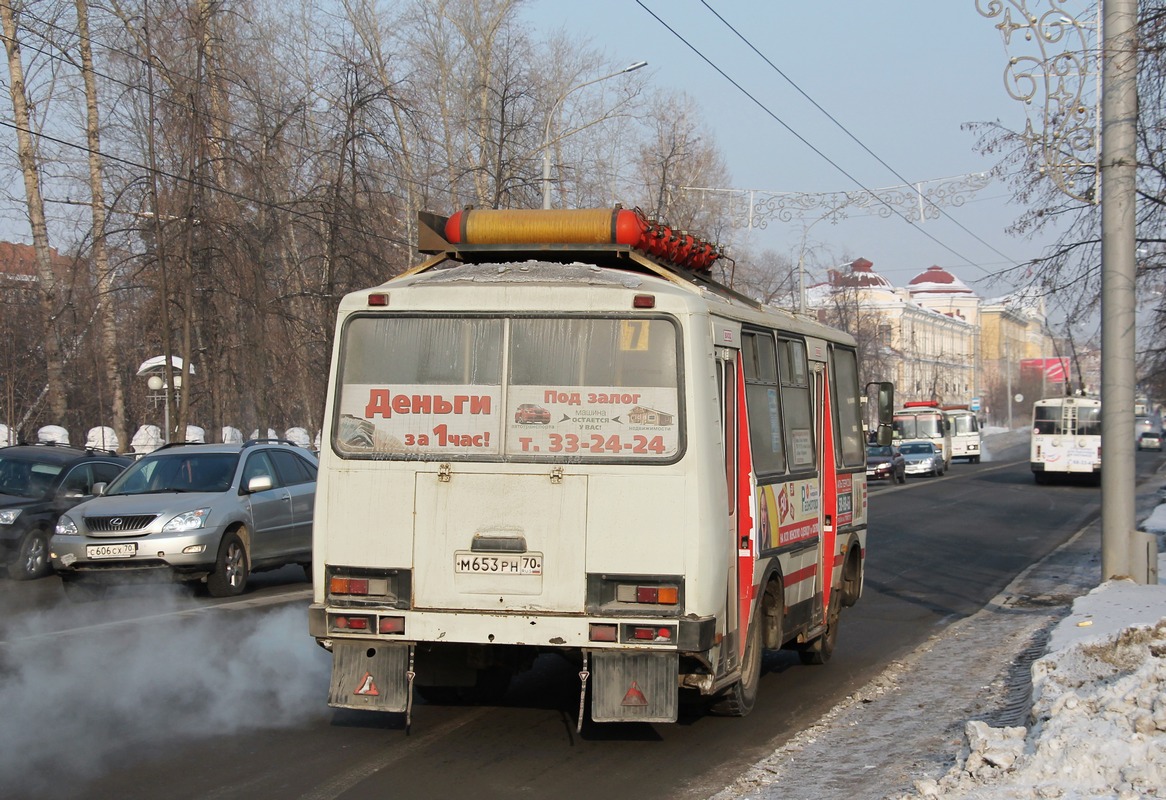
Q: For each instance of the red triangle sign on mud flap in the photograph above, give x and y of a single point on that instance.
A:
(367, 686)
(634, 697)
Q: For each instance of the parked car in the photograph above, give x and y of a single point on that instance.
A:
(885, 461)
(1151, 440)
(528, 413)
(922, 458)
(38, 482)
(193, 512)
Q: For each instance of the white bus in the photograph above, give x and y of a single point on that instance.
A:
(1066, 438)
(923, 421)
(964, 426)
(543, 439)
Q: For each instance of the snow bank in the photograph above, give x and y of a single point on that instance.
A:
(1098, 723)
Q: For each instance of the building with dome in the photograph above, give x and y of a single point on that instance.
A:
(935, 338)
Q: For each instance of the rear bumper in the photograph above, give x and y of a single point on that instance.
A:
(694, 635)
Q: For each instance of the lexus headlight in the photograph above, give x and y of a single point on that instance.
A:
(66, 527)
(187, 521)
(9, 515)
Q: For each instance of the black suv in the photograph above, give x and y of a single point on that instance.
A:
(38, 483)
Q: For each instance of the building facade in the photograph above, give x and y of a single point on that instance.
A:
(939, 341)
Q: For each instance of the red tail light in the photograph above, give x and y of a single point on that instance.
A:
(603, 633)
(351, 623)
(392, 625)
(651, 634)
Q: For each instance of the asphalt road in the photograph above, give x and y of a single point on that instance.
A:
(161, 694)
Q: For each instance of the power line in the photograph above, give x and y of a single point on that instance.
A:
(200, 184)
(769, 112)
(844, 129)
(161, 67)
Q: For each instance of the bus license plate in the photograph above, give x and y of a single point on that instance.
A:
(111, 550)
(465, 561)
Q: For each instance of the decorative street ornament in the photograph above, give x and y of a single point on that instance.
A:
(916, 202)
(1062, 130)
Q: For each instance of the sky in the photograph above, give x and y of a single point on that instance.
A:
(901, 78)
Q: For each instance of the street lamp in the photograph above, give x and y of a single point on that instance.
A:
(157, 385)
(551, 117)
(158, 376)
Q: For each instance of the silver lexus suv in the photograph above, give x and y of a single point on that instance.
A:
(192, 512)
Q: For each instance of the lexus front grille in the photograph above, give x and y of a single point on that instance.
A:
(121, 524)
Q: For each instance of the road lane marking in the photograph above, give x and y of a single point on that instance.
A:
(241, 605)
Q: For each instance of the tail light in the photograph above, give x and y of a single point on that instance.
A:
(354, 586)
(349, 623)
(650, 634)
(635, 595)
(654, 595)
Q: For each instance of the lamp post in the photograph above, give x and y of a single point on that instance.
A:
(159, 376)
(832, 214)
(551, 117)
(162, 391)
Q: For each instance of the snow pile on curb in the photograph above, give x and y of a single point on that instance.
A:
(1098, 722)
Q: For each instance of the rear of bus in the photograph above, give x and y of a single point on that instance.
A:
(964, 426)
(1066, 438)
(509, 468)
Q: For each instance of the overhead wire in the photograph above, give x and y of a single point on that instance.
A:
(161, 67)
(845, 130)
(770, 113)
(199, 184)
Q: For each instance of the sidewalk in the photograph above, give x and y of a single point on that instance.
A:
(903, 731)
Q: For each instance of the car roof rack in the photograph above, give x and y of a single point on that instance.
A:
(253, 442)
(177, 444)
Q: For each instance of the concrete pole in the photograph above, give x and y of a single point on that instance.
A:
(1118, 164)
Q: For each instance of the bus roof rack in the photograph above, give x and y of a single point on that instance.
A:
(608, 237)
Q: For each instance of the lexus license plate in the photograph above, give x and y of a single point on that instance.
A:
(111, 550)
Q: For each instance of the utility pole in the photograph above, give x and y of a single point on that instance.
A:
(1124, 551)
(1073, 156)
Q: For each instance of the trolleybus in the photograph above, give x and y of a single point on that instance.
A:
(1066, 438)
(559, 435)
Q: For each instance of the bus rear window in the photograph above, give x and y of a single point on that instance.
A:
(575, 388)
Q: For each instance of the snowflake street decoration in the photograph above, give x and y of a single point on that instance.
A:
(756, 208)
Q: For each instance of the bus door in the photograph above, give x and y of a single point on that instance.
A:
(741, 529)
(827, 478)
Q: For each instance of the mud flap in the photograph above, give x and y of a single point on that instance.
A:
(634, 687)
(373, 676)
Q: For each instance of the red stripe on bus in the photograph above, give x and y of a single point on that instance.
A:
(806, 573)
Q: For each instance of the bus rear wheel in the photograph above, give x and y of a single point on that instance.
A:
(818, 650)
(739, 699)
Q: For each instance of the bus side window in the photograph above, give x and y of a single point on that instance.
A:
(796, 403)
(762, 402)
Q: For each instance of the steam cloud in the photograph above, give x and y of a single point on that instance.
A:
(69, 701)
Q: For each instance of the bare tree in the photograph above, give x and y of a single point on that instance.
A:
(101, 265)
(50, 299)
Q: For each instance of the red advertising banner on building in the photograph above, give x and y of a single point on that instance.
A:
(1056, 369)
